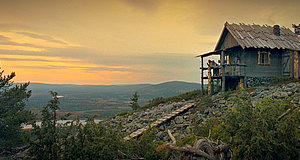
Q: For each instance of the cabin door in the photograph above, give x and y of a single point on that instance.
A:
(286, 64)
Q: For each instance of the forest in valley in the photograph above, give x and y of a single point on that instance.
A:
(102, 101)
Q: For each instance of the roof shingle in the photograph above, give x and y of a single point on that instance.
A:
(256, 36)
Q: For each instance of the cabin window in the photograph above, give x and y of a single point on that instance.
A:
(264, 57)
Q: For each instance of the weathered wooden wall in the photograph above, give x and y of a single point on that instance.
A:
(253, 69)
(228, 41)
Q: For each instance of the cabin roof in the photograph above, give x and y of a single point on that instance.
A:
(256, 36)
(208, 54)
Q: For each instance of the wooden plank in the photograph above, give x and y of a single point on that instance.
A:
(223, 70)
(210, 90)
(270, 70)
(216, 77)
(243, 65)
(189, 150)
(296, 64)
(202, 71)
(286, 58)
(140, 131)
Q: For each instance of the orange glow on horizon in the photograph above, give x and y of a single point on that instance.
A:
(121, 41)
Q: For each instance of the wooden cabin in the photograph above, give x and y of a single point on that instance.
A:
(251, 55)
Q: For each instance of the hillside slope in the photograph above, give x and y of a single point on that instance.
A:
(217, 105)
(167, 89)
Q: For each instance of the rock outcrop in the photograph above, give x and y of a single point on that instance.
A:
(182, 125)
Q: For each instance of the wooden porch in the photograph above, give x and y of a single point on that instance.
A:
(220, 71)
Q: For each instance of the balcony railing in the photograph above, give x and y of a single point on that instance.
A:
(230, 70)
(235, 70)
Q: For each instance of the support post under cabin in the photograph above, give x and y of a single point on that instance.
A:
(223, 70)
(210, 88)
(202, 89)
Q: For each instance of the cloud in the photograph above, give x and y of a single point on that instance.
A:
(19, 48)
(146, 5)
(156, 40)
(46, 62)
(27, 59)
(88, 69)
(42, 37)
(147, 62)
(19, 52)
(8, 42)
(16, 26)
(164, 66)
(26, 41)
(4, 38)
(32, 59)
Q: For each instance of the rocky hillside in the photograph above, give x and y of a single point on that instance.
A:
(215, 106)
(183, 124)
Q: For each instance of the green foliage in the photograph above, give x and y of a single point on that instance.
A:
(195, 94)
(85, 141)
(190, 140)
(134, 101)
(45, 144)
(89, 141)
(206, 101)
(145, 148)
(204, 129)
(156, 101)
(12, 112)
(281, 80)
(255, 132)
(229, 93)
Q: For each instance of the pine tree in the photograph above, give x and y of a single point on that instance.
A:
(134, 104)
(45, 144)
(12, 112)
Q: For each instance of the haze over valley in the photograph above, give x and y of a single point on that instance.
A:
(102, 100)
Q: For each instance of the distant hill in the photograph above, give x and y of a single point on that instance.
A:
(103, 100)
(167, 89)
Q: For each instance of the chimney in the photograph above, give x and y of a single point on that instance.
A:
(276, 30)
(297, 29)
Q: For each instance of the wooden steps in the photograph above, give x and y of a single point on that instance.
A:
(160, 121)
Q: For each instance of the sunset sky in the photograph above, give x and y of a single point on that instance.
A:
(122, 41)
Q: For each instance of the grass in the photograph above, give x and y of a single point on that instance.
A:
(195, 94)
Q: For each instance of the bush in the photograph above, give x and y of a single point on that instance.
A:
(145, 148)
(75, 140)
(256, 132)
(195, 94)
